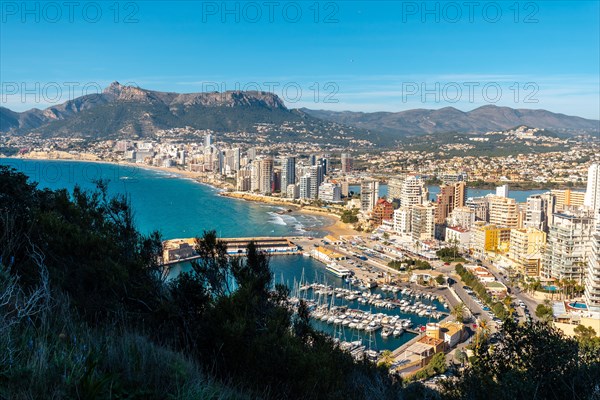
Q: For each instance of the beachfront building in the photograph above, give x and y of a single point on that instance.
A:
(305, 187)
(568, 246)
(266, 175)
(383, 210)
(243, 181)
(369, 193)
(330, 192)
(288, 171)
(316, 178)
(527, 249)
(402, 219)
(293, 191)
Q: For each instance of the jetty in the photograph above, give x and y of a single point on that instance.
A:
(182, 250)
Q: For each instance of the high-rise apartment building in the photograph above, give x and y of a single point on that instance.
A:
(413, 192)
(316, 178)
(568, 199)
(502, 191)
(330, 192)
(266, 175)
(305, 186)
(450, 197)
(255, 175)
(504, 212)
(369, 193)
(208, 140)
(395, 189)
(539, 211)
(527, 249)
(592, 193)
(402, 220)
(423, 221)
(480, 206)
(288, 171)
(569, 243)
(347, 163)
(592, 275)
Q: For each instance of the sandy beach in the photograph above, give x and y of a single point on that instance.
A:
(335, 227)
(333, 224)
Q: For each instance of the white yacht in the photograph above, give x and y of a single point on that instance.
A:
(338, 270)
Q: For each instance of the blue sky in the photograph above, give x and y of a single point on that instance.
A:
(339, 55)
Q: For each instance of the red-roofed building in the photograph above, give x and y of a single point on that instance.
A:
(383, 210)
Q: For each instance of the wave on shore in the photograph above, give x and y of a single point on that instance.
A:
(301, 223)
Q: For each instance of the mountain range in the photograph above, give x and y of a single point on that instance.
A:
(449, 119)
(131, 112)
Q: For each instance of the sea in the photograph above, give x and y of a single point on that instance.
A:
(181, 207)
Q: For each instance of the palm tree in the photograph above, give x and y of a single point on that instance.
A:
(507, 301)
(458, 312)
(386, 359)
(483, 331)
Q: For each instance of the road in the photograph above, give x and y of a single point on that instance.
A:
(376, 265)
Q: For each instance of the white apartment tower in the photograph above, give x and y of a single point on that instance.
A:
(592, 193)
(568, 246)
(539, 211)
(402, 220)
(413, 192)
(592, 276)
(305, 186)
(395, 189)
(369, 193)
(423, 221)
(288, 171)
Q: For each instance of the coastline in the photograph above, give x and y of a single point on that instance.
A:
(335, 226)
(332, 224)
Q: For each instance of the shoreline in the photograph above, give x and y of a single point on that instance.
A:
(331, 222)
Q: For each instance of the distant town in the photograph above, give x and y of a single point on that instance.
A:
(549, 240)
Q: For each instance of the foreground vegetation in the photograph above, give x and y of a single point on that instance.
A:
(86, 312)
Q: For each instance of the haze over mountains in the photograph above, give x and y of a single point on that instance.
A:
(449, 119)
(131, 112)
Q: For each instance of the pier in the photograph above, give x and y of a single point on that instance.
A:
(182, 250)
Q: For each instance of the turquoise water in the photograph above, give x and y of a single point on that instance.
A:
(551, 288)
(176, 206)
(180, 207)
(519, 195)
(289, 270)
(580, 306)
